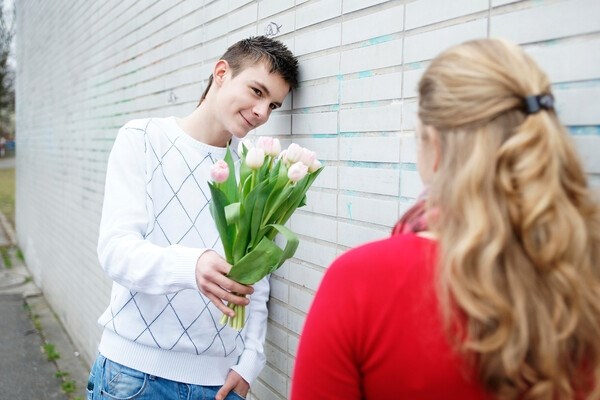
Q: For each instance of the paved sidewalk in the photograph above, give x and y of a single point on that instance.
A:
(25, 373)
(28, 323)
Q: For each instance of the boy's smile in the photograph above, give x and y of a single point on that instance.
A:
(246, 120)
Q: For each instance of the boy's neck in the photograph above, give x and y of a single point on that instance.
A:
(201, 126)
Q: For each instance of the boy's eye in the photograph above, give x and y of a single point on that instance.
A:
(272, 106)
(257, 92)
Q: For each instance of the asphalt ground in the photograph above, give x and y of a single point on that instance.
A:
(25, 372)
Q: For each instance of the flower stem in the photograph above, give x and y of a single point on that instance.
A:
(224, 318)
(236, 322)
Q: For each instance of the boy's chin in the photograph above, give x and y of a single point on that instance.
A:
(241, 134)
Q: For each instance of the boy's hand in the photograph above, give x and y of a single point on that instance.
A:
(211, 269)
(233, 382)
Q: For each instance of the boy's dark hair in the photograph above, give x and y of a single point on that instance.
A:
(260, 49)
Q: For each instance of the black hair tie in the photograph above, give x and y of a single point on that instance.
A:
(533, 104)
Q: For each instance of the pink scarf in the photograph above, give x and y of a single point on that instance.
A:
(416, 218)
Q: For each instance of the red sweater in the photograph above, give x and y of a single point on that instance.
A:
(374, 330)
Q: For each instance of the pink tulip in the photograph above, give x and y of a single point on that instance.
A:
(255, 158)
(293, 153)
(307, 157)
(270, 145)
(219, 172)
(316, 164)
(297, 171)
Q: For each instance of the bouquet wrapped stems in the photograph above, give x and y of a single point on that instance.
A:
(249, 213)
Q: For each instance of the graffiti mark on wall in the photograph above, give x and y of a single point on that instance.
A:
(172, 97)
(272, 29)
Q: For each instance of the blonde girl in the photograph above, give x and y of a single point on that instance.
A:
(497, 294)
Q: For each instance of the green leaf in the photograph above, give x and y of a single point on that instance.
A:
(302, 202)
(244, 224)
(261, 192)
(298, 198)
(244, 150)
(240, 243)
(264, 170)
(275, 169)
(256, 264)
(281, 179)
(292, 202)
(291, 245)
(217, 208)
(265, 258)
(229, 187)
(245, 173)
(274, 205)
(247, 186)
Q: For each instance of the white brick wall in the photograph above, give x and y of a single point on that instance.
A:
(85, 68)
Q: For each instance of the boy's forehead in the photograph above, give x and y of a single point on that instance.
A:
(255, 68)
(260, 73)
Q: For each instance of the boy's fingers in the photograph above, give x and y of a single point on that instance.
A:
(219, 304)
(224, 295)
(232, 285)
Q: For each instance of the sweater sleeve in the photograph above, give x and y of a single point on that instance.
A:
(126, 257)
(252, 359)
(326, 366)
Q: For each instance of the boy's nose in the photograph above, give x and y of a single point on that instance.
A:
(261, 111)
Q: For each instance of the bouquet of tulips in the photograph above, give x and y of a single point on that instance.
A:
(249, 213)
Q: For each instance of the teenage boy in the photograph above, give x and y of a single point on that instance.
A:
(162, 338)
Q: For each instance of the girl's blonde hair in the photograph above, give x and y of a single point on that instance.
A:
(519, 229)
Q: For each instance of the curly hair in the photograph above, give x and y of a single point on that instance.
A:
(519, 229)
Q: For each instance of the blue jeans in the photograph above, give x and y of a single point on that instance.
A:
(112, 381)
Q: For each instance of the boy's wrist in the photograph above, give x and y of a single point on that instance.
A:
(184, 268)
(250, 365)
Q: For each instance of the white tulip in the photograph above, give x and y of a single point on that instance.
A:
(316, 164)
(255, 158)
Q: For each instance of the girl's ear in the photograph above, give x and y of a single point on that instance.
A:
(220, 71)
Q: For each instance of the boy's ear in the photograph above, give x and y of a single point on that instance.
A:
(219, 72)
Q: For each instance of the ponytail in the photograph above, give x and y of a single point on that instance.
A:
(519, 229)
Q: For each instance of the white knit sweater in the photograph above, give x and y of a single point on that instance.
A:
(155, 225)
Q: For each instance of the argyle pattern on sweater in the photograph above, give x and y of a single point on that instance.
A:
(176, 175)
